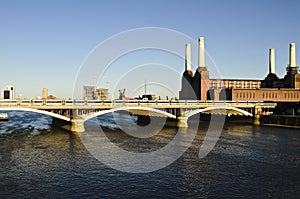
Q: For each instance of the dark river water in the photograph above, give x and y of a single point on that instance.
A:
(41, 161)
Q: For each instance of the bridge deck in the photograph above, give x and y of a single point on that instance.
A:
(75, 113)
(101, 105)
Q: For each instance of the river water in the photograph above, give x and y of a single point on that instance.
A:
(41, 161)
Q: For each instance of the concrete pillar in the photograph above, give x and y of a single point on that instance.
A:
(256, 121)
(292, 55)
(201, 53)
(77, 125)
(143, 120)
(188, 57)
(75, 113)
(182, 122)
(271, 61)
(257, 113)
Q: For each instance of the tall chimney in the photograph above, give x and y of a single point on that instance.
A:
(201, 57)
(271, 61)
(292, 55)
(188, 57)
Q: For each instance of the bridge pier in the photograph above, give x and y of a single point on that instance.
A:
(75, 125)
(182, 122)
(143, 120)
(256, 119)
(257, 114)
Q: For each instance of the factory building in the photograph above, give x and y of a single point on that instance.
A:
(199, 85)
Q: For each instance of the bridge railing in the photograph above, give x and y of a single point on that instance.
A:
(112, 103)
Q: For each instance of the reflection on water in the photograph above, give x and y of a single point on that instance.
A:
(38, 160)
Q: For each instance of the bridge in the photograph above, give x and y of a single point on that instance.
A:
(71, 114)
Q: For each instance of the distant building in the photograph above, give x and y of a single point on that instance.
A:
(9, 92)
(199, 85)
(51, 97)
(102, 94)
(93, 93)
(89, 92)
(45, 93)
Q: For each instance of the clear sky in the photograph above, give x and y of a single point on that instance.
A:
(44, 43)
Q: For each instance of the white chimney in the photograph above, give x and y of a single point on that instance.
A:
(201, 57)
(292, 55)
(271, 61)
(188, 57)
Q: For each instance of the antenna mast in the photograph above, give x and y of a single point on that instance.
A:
(145, 88)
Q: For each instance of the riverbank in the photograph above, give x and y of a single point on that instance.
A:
(286, 121)
(281, 126)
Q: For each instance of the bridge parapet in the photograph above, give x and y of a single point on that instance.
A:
(117, 103)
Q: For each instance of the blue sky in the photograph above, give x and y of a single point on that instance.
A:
(44, 43)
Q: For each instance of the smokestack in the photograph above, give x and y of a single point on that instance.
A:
(201, 59)
(188, 57)
(271, 61)
(292, 55)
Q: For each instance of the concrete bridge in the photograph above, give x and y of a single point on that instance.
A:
(71, 114)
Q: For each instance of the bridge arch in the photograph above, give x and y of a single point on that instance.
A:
(134, 110)
(222, 110)
(51, 114)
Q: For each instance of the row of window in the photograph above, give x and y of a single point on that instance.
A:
(272, 95)
(269, 95)
(286, 95)
(245, 95)
(291, 95)
(234, 84)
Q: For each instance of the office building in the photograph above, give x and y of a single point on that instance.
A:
(9, 92)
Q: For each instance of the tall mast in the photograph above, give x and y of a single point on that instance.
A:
(145, 88)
